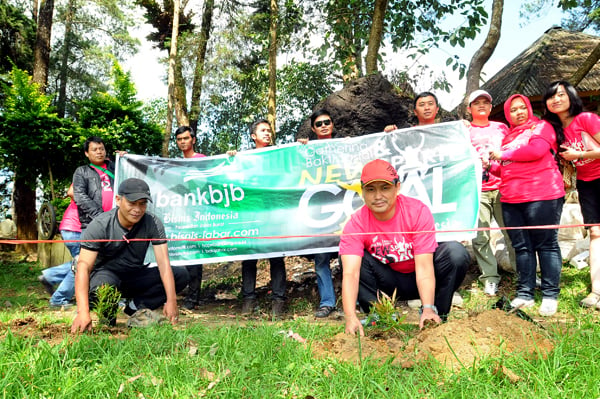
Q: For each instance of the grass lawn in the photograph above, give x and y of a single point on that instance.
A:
(238, 358)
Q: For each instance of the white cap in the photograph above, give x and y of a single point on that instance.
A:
(479, 93)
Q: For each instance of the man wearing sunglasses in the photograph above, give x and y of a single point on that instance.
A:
(321, 124)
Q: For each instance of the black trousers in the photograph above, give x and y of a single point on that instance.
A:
(143, 285)
(278, 278)
(195, 272)
(450, 263)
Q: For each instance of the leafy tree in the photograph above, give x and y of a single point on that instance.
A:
(90, 33)
(34, 142)
(119, 118)
(403, 24)
(17, 38)
(239, 100)
(483, 54)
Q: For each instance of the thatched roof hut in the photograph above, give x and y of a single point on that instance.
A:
(555, 55)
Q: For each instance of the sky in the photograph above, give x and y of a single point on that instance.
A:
(516, 35)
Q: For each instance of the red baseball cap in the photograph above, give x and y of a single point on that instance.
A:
(378, 170)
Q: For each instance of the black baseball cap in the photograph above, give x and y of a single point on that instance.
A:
(134, 189)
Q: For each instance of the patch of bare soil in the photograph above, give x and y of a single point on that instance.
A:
(455, 344)
(30, 327)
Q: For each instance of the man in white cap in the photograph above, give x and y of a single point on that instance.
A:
(389, 244)
(111, 254)
(487, 136)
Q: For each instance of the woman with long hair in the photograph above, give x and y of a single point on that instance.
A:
(578, 134)
(532, 194)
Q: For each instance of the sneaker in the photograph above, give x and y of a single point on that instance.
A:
(457, 300)
(61, 306)
(324, 311)
(130, 308)
(590, 301)
(548, 307)
(519, 302)
(248, 306)
(414, 303)
(189, 304)
(491, 288)
(145, 318)
(47, 286)
(278, 307)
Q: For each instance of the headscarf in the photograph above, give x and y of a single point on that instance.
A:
(531, 122)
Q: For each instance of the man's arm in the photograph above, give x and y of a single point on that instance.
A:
(425, 276)
(350, 280)
(161, 253)
(85, 264)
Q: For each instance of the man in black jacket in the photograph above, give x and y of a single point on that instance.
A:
(93, 183)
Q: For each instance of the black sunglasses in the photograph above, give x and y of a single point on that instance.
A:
(325, 122)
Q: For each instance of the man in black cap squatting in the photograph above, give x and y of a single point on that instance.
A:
(120, 263)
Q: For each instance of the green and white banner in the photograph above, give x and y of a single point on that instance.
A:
(294, 199)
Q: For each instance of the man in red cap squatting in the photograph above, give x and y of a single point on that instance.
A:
(110, 255)
(389, 244)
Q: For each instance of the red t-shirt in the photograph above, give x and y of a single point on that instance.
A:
(391, 241)
(107, 190)
(486, 139)
(585, 124)
(70, 220)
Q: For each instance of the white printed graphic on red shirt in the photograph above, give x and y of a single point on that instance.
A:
(391, 251)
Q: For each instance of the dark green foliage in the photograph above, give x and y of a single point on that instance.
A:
(119, 119)
(17, 38)
(32, 137)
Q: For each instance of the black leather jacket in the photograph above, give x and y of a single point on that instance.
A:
(87, 190)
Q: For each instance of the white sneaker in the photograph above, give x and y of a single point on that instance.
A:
(548, 307)
(491, 288)
(522, 303)
(457, 300)
(414, 303)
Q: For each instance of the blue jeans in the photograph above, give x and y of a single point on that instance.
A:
(62, 274)
(324, 281)
(529, 242)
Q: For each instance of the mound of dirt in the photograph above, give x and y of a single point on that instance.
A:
(456, 344)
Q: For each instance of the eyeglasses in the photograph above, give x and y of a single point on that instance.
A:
(325, 122)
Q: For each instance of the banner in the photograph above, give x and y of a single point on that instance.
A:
(294, 199)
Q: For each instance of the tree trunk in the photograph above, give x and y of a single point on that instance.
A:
(172, 61)
(273, 67)
(24, 200)
(483, 54)
(42, 44)
(64, 67)
(34, 10)
(181, 112)
(351, 60)
(205, 30)
(587, 65)
(375, 36)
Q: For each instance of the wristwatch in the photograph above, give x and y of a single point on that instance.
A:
(432, 307)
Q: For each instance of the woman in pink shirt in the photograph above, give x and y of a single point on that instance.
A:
(532, 194)
(578, 134)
